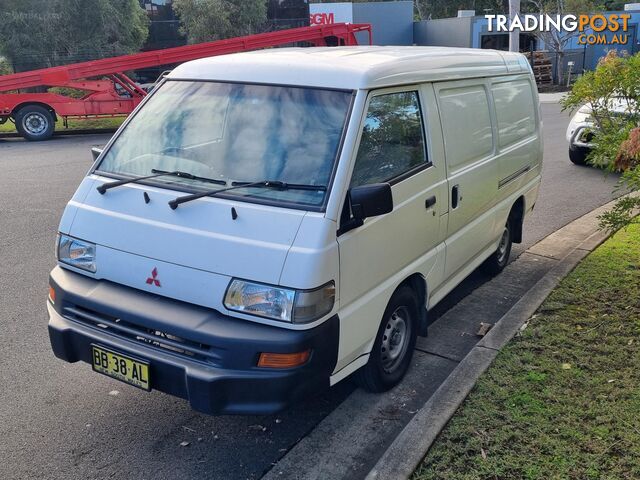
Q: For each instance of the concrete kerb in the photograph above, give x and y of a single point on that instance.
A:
(568, 246)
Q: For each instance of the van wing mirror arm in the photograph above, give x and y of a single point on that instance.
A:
(366, 201)
(350, 225)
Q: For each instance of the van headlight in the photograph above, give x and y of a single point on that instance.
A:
(77, 253)
(288, 305)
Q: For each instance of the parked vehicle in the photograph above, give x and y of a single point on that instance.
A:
(580, 135)
(266, 224)
(582, 128)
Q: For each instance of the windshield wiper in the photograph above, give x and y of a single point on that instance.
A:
(156, 173)
(190, 176)
(274, 184)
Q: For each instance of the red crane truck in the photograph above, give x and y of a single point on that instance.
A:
(111, 93)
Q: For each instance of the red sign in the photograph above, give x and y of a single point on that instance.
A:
(322, 18)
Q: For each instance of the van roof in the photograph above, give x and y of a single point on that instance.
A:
(362, 67)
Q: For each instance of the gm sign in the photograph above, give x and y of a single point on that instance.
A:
(326, 13)
(322, 18)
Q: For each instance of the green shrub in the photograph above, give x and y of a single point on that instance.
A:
(5, 68)
(615, 81)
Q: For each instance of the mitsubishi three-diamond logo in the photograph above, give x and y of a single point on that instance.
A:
(153, 279)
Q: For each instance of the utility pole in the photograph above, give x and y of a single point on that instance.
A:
(514, 36)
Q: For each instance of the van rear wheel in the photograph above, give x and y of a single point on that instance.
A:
(393, 348)
(500, 258)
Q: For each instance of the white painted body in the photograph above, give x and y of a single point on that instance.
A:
(197, 249)
(579, 123)
(582, 122)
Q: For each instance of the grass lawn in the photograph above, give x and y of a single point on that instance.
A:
(562, 400)
(109, 123)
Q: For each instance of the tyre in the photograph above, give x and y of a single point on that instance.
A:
(393, 348)
(499, 259)
(578, 155)
(34, 122)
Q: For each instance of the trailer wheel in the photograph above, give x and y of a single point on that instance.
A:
(34, 122)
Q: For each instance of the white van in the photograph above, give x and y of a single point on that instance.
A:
(268, 223)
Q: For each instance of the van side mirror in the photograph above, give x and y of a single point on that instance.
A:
(371, 200)
(367, 201)
(95, 152)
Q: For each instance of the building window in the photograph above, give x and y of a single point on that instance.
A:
(500, 41)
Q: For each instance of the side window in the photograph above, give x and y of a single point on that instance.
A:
(514, 110)
(392, 140)
(466, 125)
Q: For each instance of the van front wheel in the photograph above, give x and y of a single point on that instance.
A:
(392, 350)
(499, 259)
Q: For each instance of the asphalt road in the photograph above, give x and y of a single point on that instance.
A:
(62, 421)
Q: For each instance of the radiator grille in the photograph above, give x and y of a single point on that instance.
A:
(152, 338)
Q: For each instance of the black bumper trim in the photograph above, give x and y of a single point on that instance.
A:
(229, 382)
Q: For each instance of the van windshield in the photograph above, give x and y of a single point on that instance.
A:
(235, 133)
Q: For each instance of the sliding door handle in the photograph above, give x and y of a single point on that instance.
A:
(430, 202)
(455, 196)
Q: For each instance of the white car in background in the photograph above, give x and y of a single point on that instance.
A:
(582, 128)
(579, 135)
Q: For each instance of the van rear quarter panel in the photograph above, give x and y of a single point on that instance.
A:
(519, 142)
(491, 183)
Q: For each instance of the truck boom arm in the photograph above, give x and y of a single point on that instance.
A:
(116, 65)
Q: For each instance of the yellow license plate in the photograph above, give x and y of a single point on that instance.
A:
(121, 367)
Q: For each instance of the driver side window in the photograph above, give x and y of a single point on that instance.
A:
(392, 142)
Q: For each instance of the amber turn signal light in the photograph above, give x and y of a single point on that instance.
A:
(283, 360)
(52, 294)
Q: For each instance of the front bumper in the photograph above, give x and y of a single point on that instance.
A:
(581, 137)
(194, 352)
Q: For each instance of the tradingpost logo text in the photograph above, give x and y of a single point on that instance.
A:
(592, 28)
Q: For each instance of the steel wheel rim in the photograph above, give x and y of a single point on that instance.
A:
(395, 339)
(503, 246)
(35, 123)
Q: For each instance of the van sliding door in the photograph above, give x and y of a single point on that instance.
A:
(471, 171)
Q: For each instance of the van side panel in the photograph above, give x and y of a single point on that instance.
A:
(519, 140)
(376, 257)
(471, 169)
(498, 179)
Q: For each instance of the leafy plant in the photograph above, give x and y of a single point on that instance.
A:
(208, 20)
(612, 94)
(5, 68)
(36, 34)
